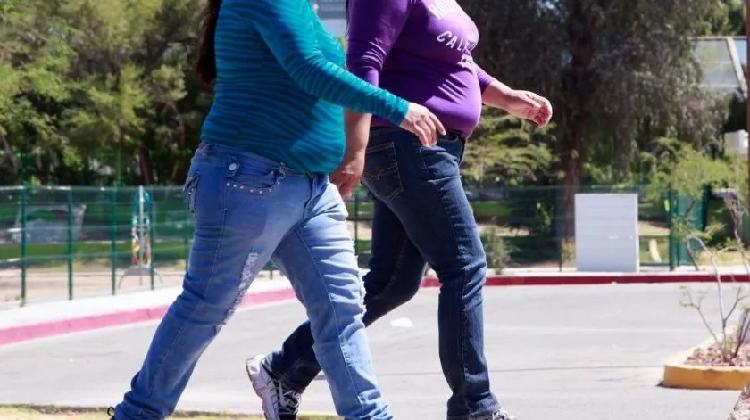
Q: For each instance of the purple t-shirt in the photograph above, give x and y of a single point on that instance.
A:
(419, 50)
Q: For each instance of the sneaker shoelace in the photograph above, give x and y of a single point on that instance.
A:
(502, 415)
(286, 399)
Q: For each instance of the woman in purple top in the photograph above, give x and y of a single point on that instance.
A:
(421, 51)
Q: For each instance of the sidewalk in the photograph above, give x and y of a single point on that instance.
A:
(569, 276)
(56, 318)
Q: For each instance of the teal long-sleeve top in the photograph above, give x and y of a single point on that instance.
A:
(281, 86)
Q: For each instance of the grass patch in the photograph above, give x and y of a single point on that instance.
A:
(18, 412)
(525, 251)
(89, 250)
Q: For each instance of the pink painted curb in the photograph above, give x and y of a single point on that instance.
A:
(28, 332)
(71, 325)
(582, 279)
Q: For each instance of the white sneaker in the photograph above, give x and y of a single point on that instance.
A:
(278, 403)
(502, 415)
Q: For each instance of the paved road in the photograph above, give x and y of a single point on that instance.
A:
(561, 352)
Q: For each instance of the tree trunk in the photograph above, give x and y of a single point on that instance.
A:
(143, 161)
(8, 160)
(578, 86)
(573, 169)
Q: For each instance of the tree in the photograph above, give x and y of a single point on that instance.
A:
(133, 59)
(96, 92)
(99, 90)
(32, 58)
(619, 74)
(723, 18)
(505, 150)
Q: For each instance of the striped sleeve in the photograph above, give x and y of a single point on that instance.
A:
(287, 28)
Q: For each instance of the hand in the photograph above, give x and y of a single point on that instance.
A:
(424, 124)
(346, 177)
(529, 106)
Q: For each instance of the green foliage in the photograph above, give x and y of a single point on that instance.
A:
(618, 73)
(505, 150)
(723, 18)
(102, 91)
(98, 90)
(498, 252)
(690, 172)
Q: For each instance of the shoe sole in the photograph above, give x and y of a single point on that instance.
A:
(258, 378)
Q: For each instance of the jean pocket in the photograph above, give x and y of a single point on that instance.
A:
(188, 190)
(381, 172)
(255, 181)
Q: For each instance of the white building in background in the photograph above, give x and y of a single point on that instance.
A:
(333, 15)
(722, 60)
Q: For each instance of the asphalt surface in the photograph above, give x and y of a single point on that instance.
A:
(559, 352)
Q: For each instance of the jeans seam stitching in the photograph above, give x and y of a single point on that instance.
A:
(393, 170)
(192, 313)
(462, 286)
(336, 320)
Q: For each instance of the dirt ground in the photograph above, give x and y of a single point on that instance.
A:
(43, 285)
(47, 284)
(741, 410)
(712, 356)
(52, 413)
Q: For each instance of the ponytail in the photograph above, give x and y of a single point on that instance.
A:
(205, 64)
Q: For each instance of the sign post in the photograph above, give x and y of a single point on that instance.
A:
(141, 262)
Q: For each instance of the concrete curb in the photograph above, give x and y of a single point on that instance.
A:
(28, 332)
(594, 279)
(711, 378)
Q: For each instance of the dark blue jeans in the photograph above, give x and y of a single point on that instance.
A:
(421, 216)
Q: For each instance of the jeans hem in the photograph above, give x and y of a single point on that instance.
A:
(483, 415)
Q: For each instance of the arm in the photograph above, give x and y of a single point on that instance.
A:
(357, 128)
(374, 26)
(497, 95)
(287, 28)
(520, 103)
(494, 92)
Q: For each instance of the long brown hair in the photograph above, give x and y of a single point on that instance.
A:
(205, 64)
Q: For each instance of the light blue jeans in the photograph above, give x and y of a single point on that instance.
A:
(249, 209)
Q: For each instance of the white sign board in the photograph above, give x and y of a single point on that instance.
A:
(606, 232)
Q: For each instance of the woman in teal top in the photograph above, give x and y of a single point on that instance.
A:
(258, 188)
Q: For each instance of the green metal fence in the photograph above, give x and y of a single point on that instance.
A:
(65, 243)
